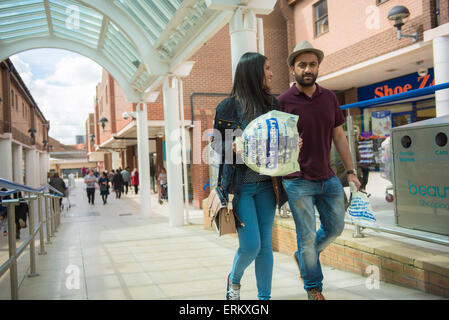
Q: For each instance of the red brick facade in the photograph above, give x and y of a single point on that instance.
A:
(18, 110)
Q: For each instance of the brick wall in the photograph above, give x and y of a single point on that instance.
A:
(395, 266)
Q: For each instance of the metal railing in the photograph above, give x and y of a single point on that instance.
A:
(359, 226)
(51, 220)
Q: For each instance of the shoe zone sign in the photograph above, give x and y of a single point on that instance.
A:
(402, 84)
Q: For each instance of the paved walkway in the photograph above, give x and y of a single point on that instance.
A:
(110, 252)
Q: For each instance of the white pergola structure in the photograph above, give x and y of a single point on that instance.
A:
(141, 43)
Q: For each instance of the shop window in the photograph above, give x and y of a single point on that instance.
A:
(320, 18)
(401, 118)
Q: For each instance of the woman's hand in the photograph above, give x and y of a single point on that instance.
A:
(299, 144)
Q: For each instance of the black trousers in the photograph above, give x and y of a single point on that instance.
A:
(126, 187)
(91, 195)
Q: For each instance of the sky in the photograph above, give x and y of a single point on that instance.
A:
(63, 85)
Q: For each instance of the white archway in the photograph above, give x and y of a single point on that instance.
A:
(58, 43)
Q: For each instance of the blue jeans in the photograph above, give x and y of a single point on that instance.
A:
(256, 209)
(328, 197)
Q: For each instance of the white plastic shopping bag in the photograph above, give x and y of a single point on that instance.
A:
(269, 144)
(360, 208)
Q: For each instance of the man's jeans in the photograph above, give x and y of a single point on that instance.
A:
(327, 196)
(256, 209)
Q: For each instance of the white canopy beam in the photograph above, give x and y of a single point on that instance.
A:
(132, 31)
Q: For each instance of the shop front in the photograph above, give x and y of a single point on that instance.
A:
(374, 124)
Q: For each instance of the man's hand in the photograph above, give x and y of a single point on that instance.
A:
(353, 178)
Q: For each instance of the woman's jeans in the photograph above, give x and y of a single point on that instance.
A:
(256, 209)
(327, 196)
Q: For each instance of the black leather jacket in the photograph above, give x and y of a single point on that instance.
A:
(228, 116)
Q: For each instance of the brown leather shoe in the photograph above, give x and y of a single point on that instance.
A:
(315, 294)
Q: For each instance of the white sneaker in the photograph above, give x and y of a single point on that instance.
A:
(233, 290)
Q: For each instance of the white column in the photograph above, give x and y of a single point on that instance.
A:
(441, 68)
(144, 159)
(173, 147)
(30, 168)
(6, 159)
(17, 156)
(243, 31)
(184, 154)
(43, 157)
(37, 173)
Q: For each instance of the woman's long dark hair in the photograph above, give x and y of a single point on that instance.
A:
(249, 87)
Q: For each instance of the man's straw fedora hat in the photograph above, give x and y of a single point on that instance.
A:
(304, 46)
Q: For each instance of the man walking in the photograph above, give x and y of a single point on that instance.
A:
(90, 182)
(320, 124)
(126, 179)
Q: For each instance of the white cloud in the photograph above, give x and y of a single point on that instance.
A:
(23, 69)
(65, 94)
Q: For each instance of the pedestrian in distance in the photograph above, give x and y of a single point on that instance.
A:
(117, 182)
(103, 182)
(135, 180)
(126, 179)
(163, 188)
(255, 196)
(90, 180)
(58, 183)
(4, 215)
(22, 211)
(320, 123)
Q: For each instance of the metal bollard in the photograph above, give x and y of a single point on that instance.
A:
(12, 251)
(47, 220)
(41, 228)
(32, 243)
(358, 232)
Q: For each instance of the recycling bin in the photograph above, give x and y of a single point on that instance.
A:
(421, 175)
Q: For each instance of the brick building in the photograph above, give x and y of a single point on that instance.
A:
(23, 131)
(66, 159)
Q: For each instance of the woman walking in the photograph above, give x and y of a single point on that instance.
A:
(104, 187)
(255, 195)
(135, 180)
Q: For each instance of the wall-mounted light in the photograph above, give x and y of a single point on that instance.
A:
(136, 63)
(398, 16)
(51, 147)
(45, 142)
(92, 138)
(102, 122)
(32, 131)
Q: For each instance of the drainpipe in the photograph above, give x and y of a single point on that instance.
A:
(203, 94)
